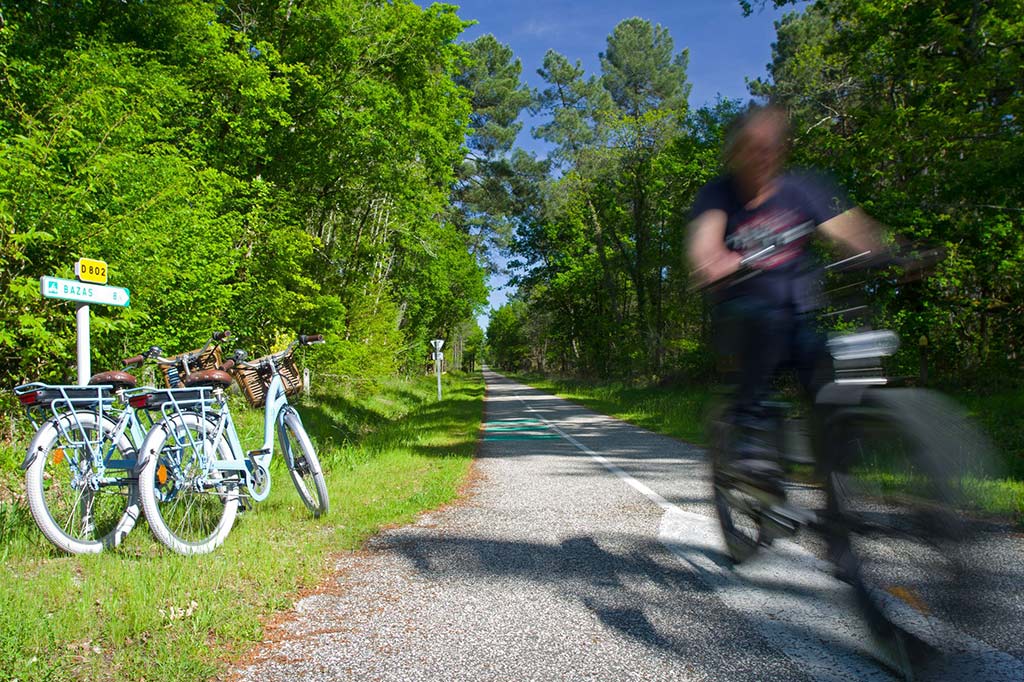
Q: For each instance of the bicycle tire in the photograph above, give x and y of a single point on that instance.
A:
(896, 533)
(90, 520)
(185, 513)
(303, 464)
(738, 514)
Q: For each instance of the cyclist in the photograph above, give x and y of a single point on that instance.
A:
(765, 322)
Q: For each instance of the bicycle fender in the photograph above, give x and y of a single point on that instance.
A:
(33, 448)
(30, 455)
(141, 456)
(841, 394)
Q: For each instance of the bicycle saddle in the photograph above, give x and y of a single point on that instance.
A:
(214, 378)
(116, 378)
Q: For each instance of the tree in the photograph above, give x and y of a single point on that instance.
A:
(274, 167)
(610, 132)
(486, 192)
(508, 347)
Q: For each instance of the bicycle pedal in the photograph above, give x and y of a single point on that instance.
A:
(258, 453)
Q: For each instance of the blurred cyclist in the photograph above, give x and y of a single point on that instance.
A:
(765, 322)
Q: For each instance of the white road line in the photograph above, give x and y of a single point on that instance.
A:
(791, 598)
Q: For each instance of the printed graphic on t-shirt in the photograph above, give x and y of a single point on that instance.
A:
(784, 229)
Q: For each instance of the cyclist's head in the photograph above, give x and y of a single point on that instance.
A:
(756, 146)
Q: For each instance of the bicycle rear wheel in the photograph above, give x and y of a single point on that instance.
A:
(303, 464)
(189, 503)
(79, 509)
(897, 532)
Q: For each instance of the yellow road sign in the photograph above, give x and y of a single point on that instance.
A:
(89, 270)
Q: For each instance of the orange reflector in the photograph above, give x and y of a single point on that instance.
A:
(58, 455)
(909, 598)
(161, 474)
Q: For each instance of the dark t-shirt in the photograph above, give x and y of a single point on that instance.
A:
(801, 203)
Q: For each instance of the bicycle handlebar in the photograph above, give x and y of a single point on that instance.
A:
(239, 358)
(136, 360)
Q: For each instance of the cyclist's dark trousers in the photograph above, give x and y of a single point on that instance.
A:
(755, 340)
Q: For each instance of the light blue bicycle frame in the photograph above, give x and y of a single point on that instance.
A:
(273, 415)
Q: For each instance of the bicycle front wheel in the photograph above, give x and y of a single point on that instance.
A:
(189, 503)
(739, 511)
(303, 464)
(79, 505)
(897, 532)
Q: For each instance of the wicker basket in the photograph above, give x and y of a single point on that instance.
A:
(255, 382)
(173, 374)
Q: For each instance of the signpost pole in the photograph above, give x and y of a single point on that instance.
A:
(84, 363)
(437, 371)
(438, 357)
(86, 288)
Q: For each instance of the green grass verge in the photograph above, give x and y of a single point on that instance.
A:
(679, 411)
(142, 612)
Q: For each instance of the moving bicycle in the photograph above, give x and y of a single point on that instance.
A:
(891, 457)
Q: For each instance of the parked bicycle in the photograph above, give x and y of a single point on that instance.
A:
(80, 467)
(195, 472)
(892, 459)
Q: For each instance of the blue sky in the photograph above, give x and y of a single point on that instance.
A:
(725, 47)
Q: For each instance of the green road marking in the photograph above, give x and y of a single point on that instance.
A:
(517, 429)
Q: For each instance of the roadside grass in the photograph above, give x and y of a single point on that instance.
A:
(143, 612)
(679, 411)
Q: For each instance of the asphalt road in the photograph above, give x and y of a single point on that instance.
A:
(587, 550)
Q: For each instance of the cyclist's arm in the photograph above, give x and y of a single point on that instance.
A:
(855, 231)
(709, 257)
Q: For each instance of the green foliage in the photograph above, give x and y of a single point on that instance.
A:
(507, 342)
(487, 197)
(599, 253)
(274, 169)
(916, 106)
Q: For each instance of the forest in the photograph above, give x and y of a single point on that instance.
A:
(274, 168)
(913, 106)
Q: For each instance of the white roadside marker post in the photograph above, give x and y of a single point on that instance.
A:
(438, 356)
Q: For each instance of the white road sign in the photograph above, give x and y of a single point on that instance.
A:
(437, 343)
(93, 294)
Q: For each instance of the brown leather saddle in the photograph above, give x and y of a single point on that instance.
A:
(116, 378)
(213, 378)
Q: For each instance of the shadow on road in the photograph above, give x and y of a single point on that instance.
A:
(631, 585)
